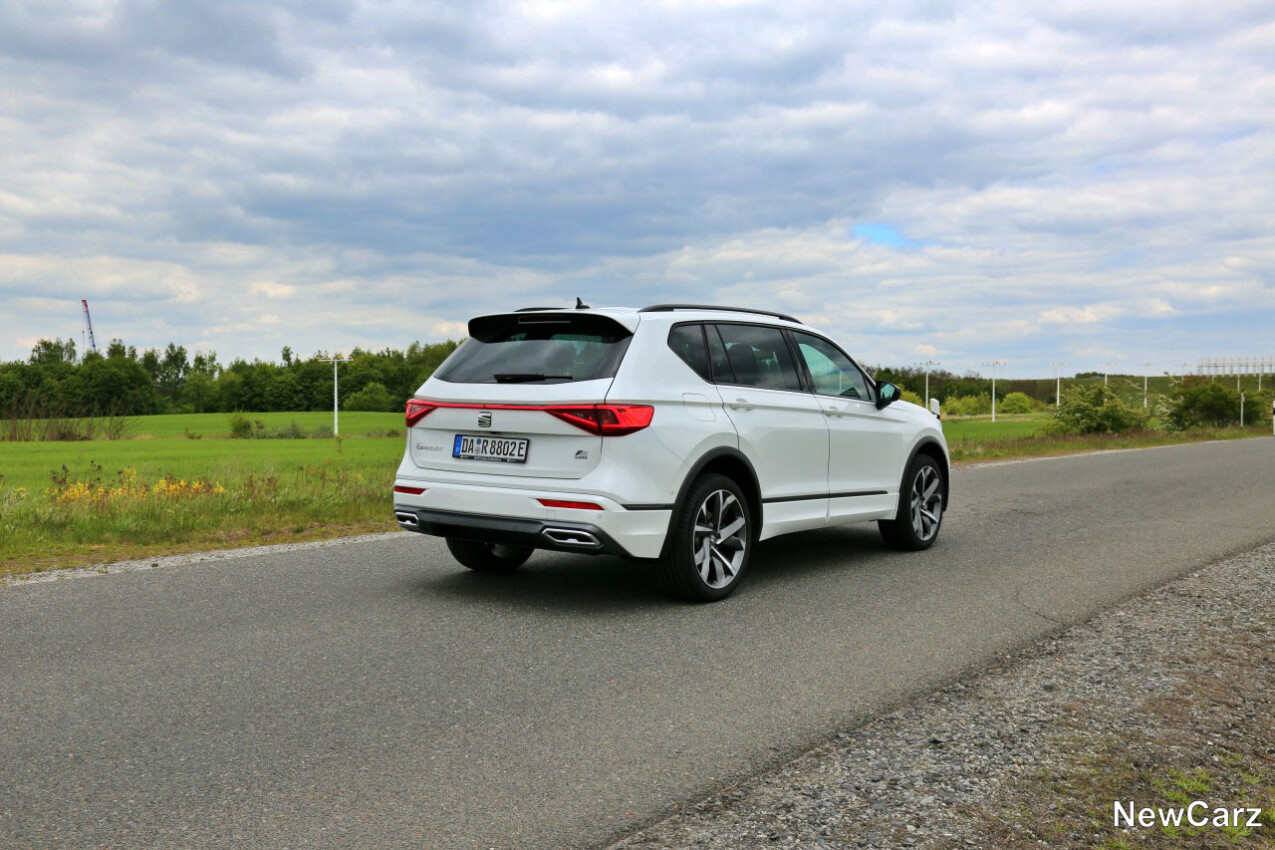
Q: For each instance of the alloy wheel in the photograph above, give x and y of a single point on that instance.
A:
(720, 538)
(927, 502)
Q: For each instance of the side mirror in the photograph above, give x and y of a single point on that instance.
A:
(887, 394)
(934, 408)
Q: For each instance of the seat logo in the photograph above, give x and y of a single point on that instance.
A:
(484, 419)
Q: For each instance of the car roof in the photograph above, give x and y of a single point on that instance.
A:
(631, 316)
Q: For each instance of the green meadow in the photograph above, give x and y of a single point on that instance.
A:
(353, 423)
(179, 483)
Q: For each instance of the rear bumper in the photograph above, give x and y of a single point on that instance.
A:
(562, 536)
(515, 515)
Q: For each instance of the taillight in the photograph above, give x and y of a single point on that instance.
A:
(418, 410)
(608, 420)
(564, 503)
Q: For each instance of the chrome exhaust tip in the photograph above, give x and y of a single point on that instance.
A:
(572, 537)
(406, 519)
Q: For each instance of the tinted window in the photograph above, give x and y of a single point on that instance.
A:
(687, 342)
(759, 357)
(832, 371)
(549, 348)
(722, 373)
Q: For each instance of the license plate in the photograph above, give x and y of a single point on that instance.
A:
(499, 449)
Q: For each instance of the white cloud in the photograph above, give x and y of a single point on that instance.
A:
(384, 170)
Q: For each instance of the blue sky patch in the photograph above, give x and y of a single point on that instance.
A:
(884, 234)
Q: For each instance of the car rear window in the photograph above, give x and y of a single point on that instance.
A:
(549, 348)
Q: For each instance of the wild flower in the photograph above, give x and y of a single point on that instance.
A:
(128, 489)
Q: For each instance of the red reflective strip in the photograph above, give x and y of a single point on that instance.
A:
(414, 491)
(563, 503)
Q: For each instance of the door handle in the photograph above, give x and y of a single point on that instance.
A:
(832, 411)
(741, 404)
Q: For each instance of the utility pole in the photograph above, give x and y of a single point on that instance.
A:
(994, 364)
(927, 364)
(1145, 374)
(1058, 382)
(336, 423)
(1106, 369)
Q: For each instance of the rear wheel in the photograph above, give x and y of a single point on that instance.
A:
(488, 557)
(710, 541)
(920, 514)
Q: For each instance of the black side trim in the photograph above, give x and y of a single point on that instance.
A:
(647, 507)
(845, 495)
(513, 531)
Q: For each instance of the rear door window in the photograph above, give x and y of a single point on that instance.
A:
(526, 348)
(759, 357)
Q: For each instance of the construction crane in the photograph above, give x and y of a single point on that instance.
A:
(88, 322)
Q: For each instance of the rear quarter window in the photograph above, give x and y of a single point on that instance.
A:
(550, 348)
(687, 342)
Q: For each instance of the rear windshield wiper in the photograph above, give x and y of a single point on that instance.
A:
(527, 377)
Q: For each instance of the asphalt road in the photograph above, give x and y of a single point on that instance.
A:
(377, 695)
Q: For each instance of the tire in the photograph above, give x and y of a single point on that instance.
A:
(488, 557)
(710, 541)
(920, 514)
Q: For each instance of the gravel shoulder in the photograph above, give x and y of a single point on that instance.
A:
(1159, 702)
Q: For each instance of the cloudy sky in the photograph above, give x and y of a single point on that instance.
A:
(946, 181)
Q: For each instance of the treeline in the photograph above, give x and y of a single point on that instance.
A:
(125, 382)
(947, 385)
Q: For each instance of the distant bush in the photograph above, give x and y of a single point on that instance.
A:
(240, 426)
(1016, 403)
(1203, 405)
(1095, 409)
(291, 431)
(374, 396)
(967, 405)
(908, 395)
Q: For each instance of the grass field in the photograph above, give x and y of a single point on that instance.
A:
(159, 492)
(218, 424)
(84, 502)
(982, 428)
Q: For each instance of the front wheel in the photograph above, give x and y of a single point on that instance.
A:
(710, 541)
(916, 525)
(488, 557)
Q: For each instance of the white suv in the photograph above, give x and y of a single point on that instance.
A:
(680, 432)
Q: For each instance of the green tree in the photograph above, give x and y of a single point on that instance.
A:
(53, 352)
(116, 386)
(374, 396)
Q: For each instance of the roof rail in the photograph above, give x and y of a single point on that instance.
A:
(668, 308)
(536, 309)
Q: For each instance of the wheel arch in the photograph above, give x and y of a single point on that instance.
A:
(933, 449)
(732, 463)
